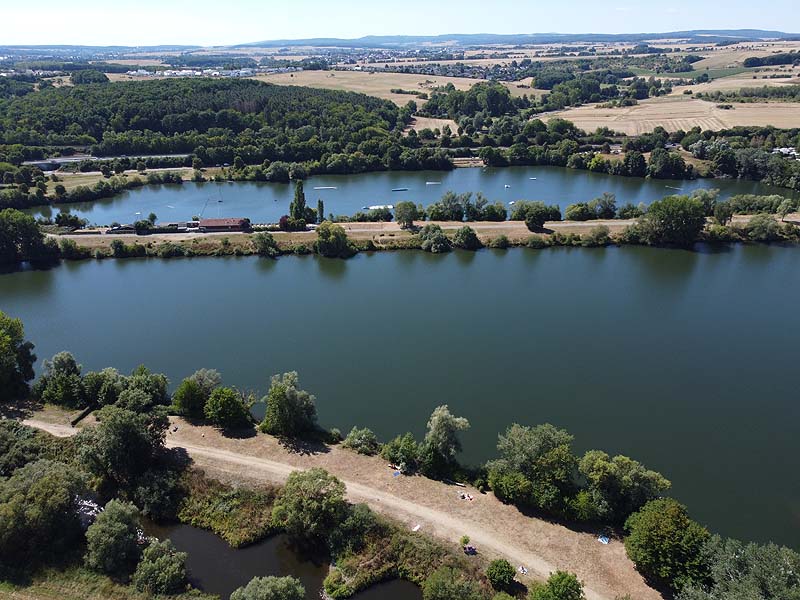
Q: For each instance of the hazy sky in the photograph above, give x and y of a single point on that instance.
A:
(215, 22)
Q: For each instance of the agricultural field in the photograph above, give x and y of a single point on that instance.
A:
(377, 84)
(681, 112)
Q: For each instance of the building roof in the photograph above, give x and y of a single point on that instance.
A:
(238, 222)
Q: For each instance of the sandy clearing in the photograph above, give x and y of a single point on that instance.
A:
(496, 529)
(673, 113)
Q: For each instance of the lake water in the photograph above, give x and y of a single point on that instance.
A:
(683, 360)
(216, 568)
(267, 202)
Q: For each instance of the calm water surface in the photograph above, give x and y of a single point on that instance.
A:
(683, 360)
(267, 202)
(216, 568)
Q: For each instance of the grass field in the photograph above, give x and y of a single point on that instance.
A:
(681, 112)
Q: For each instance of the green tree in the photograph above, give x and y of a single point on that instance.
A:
(112, 541)
(104, 387)
(332, 241)
(189, 399)
(446, 583)
(297, 208)
(536, 216)
(536, 467)
(265, 245)
(674, 220)
(16, 358)
(433, 239)
(228, 409)
(747, 571)
(20, 238)
(123, 444)
(467, 239)
(763, 228)
(635, 164)
(559, 586)
(786, 207)
(666, 544)
(320, 210)
(162, 570)
(61, 382)
(723, 212)
(579, 212)
(501, 574)
(363, 441)
(620, 485)
(38, 513)
(405, 213)
(310, 506)
(271, 588)
(290, 411)
(402, 451)
(441, 444)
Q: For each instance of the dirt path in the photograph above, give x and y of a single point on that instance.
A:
(496, 529)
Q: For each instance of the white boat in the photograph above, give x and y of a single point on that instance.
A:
(400, 190)
(533, 178)
(433, 183)
(512, 202)
(507, 186)
(380, 206)
(326, 187)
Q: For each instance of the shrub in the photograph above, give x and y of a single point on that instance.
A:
(112, 545)
(189, 399)
(501, 242)
(402, 451)
(467, 239)
(227, 408)
(433, 239)
(537, 242)
(332, 241)
(597, 236)
(265, 245)
(310, 506)
(271, 588)
(447, 583)
(763, 228)
(363, 441)
(290, 410)
(559, 586)
(501, 574)
(162, 569)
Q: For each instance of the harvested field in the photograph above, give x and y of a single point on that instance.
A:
(377, 84)
(420, 123)
(674, 113)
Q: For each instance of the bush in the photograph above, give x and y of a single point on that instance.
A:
(537, 242)
(332, 241)
(467, 239)
(448, 584)
(432, 239)
(666, 544)
(402, 451)
(271, 588)
(559, 586)
(501, 242)
(501, 574)
(189, 399)
(597, 236)
(310, 506)
(763, 228)
(162, 570)
(363, 441)
(265, 245)
(228, 409)
(290, 410)
(112, 541)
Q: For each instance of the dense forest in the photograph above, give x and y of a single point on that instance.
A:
(784, 58)
(788, 93)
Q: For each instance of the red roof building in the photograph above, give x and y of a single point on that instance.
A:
(224, 224)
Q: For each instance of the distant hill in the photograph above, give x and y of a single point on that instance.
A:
(481, 39)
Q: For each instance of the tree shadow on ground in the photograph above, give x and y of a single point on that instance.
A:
(239, 433)
(19, 410)
(304, 447)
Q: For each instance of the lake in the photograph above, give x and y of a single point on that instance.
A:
(267, 202)
(682, 360)
(216, 568)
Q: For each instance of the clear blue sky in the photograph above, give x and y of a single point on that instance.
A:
(215, 22)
